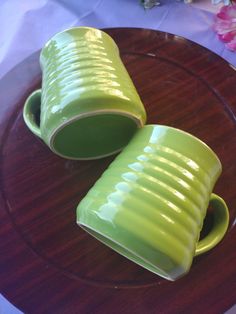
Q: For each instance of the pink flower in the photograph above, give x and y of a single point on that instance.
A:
(225, 26)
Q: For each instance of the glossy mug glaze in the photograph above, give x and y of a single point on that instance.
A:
(150, 204)
(88, 106)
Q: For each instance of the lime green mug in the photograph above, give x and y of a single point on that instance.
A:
(88, 106)
(150, 204)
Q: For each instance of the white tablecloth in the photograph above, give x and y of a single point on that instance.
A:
(27, 24)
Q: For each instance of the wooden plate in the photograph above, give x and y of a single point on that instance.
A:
(48, 264)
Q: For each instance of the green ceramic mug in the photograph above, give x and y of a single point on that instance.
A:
(150, 204)
(88, 105)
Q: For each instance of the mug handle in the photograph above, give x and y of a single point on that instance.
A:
(220, 225)
(31, 108)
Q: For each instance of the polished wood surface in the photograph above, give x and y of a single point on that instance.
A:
(47, 263)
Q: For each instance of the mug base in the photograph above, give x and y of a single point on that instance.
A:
(94, 136)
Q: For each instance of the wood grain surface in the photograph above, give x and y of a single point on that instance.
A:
(47, 263)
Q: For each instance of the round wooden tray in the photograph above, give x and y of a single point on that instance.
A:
(48, 264)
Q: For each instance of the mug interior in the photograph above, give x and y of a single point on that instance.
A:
(94, 136)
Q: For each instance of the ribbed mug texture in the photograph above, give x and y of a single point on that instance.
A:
(88, 105)
(150, 203)
(78, 62)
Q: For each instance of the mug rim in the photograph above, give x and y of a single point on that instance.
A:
(154, 269)
(138, 121)
(195, 138)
